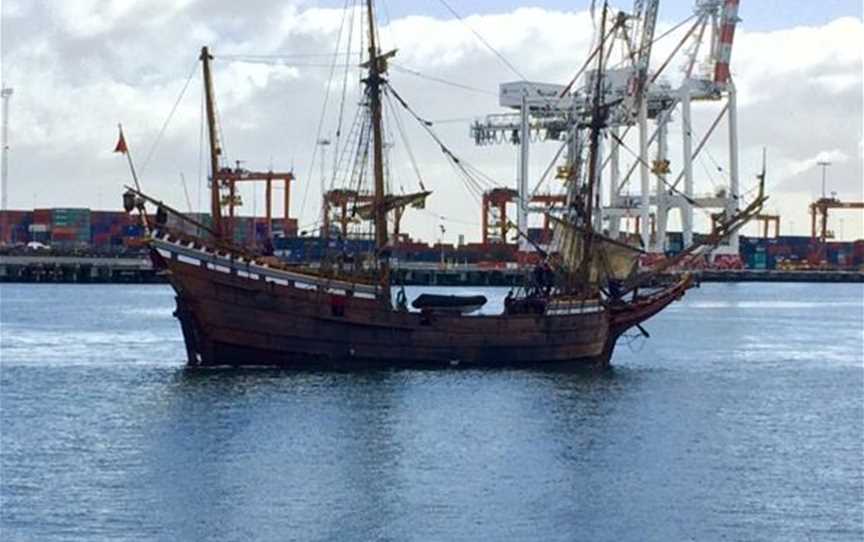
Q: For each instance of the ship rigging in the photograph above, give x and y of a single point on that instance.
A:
(237, 307)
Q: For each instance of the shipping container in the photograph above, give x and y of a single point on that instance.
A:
(42, 216)
(60, 236)
(101, 240)
(70, 215)
(64, 230)
(758, 260)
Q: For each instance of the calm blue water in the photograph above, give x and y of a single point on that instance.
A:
(742, 418)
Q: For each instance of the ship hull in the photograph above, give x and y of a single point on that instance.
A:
(238, 322)
(235, 318)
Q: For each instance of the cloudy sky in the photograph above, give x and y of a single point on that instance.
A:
(79, 67)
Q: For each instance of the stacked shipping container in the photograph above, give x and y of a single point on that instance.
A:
(70, 227)
(67, 228)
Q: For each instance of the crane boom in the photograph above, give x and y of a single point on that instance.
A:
(728, 21)
(645, 20)
(646, 42)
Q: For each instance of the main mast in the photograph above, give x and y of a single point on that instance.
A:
(215, 150)
(374, 82)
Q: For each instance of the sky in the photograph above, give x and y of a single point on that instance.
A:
(759, 15)
(80, 67)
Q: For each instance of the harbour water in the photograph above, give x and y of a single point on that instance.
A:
(742, 418)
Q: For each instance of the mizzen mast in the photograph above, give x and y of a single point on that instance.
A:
(215, 147)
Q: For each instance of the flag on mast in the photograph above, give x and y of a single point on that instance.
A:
(122, 148)
(121, 143)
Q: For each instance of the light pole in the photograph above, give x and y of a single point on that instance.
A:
(6, 95)
(824, 165)
(441, 237)
(323, 143)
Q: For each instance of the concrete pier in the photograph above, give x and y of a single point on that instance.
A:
(74, 269)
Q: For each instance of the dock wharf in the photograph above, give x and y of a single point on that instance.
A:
(89, 269)
(77, 269)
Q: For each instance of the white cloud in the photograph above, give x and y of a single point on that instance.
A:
(834, 156)
(89, 18)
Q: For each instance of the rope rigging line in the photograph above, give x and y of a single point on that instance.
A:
(586, 64)
(454, 84)
(439, 216)
(656, 40)
(354, 134)
(361, 157)
(494, 51)
(387, 144)
(653, 78)
(475, 180)
(168, 120)
(451, 157)
(463, 166)
(721, 171)
(702, 147)
(324, 107)
(344, 94)
(401, 128)
(550, 167)
(453, 121)
(662, 179)
(708, 174)
(221, 131)
(609, 34)
(286, 64)
(201, 151)
(245, 56)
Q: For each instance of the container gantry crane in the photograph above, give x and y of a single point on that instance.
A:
(819, 236)
(554, 112)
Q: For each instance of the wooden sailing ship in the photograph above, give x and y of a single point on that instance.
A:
(237, 308)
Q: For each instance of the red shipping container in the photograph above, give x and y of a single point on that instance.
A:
(65, 230)
(42, 216)
(15, 217)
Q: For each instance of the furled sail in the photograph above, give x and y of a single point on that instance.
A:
(391, 202)
(610, 259)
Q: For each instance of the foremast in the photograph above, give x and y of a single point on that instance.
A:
(597, 124)
(215, 147)
(377, 65)
(575, 235)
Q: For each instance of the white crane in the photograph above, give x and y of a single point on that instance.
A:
(642, 97)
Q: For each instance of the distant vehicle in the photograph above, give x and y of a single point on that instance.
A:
(36, 245)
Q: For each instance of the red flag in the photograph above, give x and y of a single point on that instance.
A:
(121, 144)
